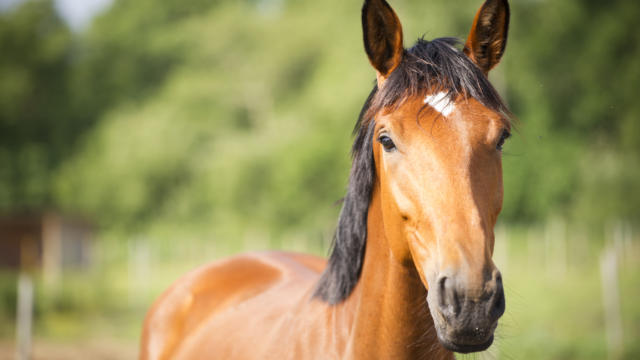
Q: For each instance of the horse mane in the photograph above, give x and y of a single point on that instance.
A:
(437, 66)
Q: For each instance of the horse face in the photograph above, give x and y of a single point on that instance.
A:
(440, 173)
(438, 162)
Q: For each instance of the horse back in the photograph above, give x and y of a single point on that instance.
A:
(196, 298)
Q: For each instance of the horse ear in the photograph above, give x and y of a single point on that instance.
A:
(488, 37)
(382, 37)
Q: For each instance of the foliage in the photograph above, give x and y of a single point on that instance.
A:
(35, 127)
(199, 118)
(572, 76)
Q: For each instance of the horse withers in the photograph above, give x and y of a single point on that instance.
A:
(410, 274)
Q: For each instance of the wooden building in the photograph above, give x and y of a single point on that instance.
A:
(47, 241)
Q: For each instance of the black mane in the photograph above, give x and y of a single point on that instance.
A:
(436, 66)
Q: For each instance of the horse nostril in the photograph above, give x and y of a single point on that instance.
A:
(498, 303)
(447, 297)
(442, 292)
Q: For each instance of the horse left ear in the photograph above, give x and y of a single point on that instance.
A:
(488, 37)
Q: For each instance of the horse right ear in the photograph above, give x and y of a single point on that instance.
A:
(382, 37)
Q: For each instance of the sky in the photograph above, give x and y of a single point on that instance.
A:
(77, 13)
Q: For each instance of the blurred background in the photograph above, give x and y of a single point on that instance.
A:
(140, 139)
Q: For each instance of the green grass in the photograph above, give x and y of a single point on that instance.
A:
(552, 280)
(555, 299)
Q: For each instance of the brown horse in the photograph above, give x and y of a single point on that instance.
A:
(410, 274)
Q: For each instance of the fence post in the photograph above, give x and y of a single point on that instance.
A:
(24, 316)
(611, 300)
(138, 268)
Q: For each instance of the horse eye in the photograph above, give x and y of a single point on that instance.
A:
(387, 143)
(503, 137)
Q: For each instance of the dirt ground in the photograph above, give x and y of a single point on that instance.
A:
(94, 350)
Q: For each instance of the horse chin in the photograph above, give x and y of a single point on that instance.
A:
(465, 348)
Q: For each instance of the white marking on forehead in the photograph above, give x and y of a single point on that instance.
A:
(441, 103)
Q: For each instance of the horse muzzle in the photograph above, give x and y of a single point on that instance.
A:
(466, 319)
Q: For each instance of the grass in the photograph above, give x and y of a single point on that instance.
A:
(552, 279)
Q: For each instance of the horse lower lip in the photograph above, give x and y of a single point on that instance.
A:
(466, 348)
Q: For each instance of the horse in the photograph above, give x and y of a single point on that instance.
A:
(410, 273)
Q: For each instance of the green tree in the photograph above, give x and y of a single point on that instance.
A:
(35, 127)
(572, 79)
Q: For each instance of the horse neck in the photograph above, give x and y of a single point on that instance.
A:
(392, 319)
